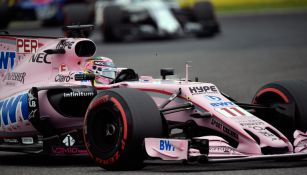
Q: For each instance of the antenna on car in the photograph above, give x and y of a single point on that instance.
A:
(187, 66)
(77, 31)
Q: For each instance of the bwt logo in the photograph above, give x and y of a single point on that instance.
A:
(9, 108)
(222, 104)
(26, 45)
(166, 146)
(5, 58)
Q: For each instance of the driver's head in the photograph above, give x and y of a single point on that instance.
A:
(103, 68)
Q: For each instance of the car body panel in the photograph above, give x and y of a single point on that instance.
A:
(29, 66)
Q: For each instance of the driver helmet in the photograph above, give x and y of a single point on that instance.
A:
(103, 68)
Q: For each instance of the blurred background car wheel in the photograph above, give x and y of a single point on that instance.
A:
(205, 15)
(111, 27)
(78, 13)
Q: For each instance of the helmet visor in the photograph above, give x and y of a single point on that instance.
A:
(106, 72)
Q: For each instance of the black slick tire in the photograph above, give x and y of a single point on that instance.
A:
(290, 100)
(111, 27)
(205, 15)
(116, 123)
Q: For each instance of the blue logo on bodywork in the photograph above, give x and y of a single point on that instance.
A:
(165, 145)
(213, 98)
(5, 57)
(222, 104)
(9, 108)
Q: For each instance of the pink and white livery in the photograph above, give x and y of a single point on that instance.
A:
(50, 103)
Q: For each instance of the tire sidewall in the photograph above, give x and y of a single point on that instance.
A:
(112, 24)
(291, 93)
(107, 158)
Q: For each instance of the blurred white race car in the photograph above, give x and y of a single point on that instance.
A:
(121, 19)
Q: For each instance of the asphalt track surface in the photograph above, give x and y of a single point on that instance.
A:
(251, 51)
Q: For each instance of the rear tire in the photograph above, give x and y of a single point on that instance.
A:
(205, 15)
(291, 99)
(112, 19)
(116, 123)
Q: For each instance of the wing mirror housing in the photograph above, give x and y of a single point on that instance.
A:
(166, 72)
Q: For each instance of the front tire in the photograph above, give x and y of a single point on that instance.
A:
(290, 100)
(116, 123)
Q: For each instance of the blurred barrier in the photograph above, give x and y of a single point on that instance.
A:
(249, 4)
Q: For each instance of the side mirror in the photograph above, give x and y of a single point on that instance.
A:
(166, 72)
(82, 77)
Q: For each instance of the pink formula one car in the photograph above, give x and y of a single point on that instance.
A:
(49, 104)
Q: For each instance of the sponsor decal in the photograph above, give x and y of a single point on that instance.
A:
(32, 113)
(63, 44)
(26, 45)
(33, 104)
(64, 78)
(63, 68)
(6, 58)
(10, 83)
(39, 58)
(69, 140)
(218, 101)
(233, 112)
(85, 82)
(27, 140)
(213, 98)
(222, 149)
(165, 145)
(32, 100)
(9, 108)
(251, 123)
(78, 94)
(99, 63)
(222, 104)
(223, 128)
(108, 161)
(67, 150)
(10, 141)
(16, 76)
(203, 90)
(265, 132)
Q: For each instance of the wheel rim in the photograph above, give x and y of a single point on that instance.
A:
(106, 126)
